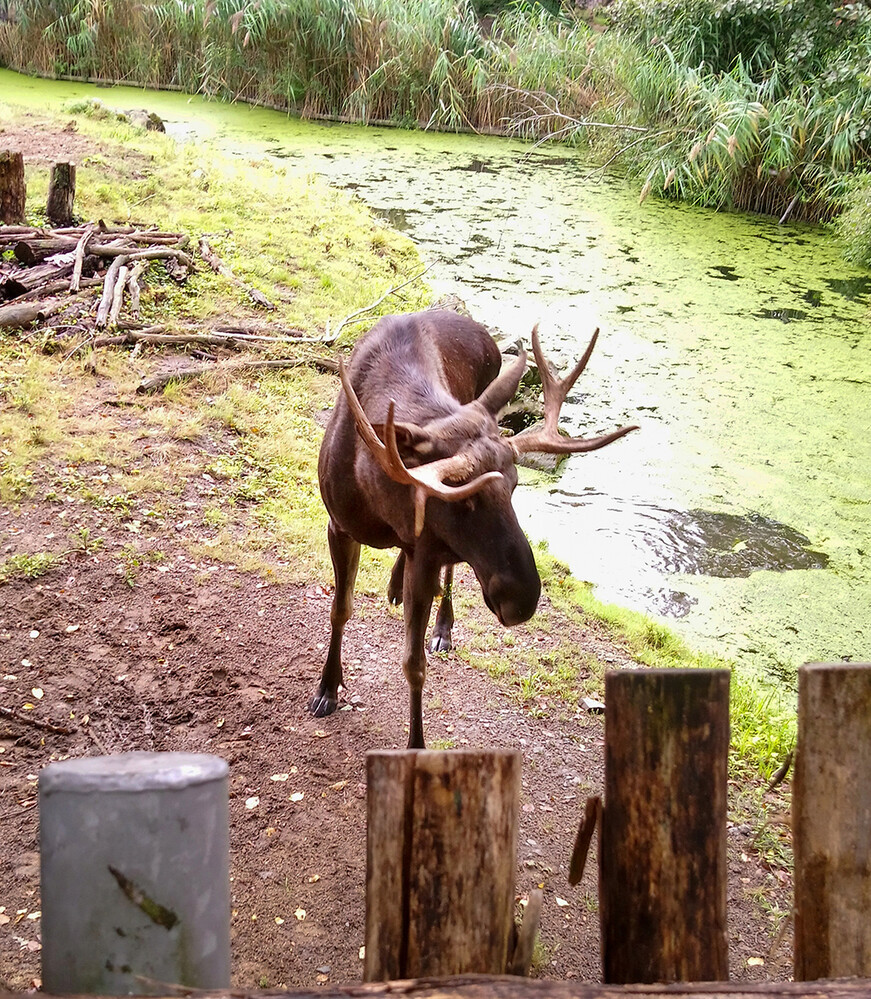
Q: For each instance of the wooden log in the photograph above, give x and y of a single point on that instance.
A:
(832, 821)
(31, 250)
(662, 877)
(23, 281)
(20, 314)
(13, 190)
(441, 847)
(61, 194)
(506, 987)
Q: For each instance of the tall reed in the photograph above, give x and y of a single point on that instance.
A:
(755, 104)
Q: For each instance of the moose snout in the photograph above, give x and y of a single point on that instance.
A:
(510, 602)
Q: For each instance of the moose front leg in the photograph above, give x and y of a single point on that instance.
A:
(420, 585)
(345, 554)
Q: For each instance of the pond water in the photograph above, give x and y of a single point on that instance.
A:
(741, 512)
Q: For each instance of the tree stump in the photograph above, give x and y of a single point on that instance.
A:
(832, 822)
(662, 867)
(13, 190)
(61, 194)
(441, 848)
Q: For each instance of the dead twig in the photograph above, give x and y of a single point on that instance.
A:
(160, 381)
(26, 719)
(332, 337)
(92, 735)
(219, 267)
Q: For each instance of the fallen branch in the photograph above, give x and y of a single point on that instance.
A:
(26, 719)
(156, 335)
(133, 286)
(53, 287)
(118, 294)
(219, 267)
(109, 290)
(114, 277)
(19, 314)
(160, 381)
(79, 261)
(332, 337)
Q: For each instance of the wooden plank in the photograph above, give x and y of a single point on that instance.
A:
(441, 849)
(388, 802)
(662, 885)
(832, 821)
(505, 987)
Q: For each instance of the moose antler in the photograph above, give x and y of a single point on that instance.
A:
(549, 439)
(427, 480)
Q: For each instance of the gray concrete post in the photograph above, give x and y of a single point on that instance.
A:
(134, 853)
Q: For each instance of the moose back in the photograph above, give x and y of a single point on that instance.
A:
(414, 459)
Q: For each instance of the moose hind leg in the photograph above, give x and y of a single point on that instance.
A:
(397, 574)
(345, 554)
(441, 634)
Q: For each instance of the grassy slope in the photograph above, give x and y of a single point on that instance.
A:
(249, 444)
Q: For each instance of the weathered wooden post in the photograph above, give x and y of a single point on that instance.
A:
(61, 194)
(662, 850)
(134, 852)
(13, 192)
(441, 849)
(831, 807)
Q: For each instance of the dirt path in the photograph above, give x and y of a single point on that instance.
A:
(198, 657)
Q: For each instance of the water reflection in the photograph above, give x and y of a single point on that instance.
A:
(707, 542)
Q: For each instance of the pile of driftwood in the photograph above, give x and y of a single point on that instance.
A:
(52, 266)
(99, 268)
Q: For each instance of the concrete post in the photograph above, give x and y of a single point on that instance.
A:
(134, 854)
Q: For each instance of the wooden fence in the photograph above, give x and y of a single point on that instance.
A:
(442, 830)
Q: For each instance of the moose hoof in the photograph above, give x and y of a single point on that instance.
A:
(323, 704)
(440, 643)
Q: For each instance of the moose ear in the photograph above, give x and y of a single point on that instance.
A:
(412, 441)
(504, 387)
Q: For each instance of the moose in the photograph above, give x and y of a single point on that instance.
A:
(414, 459)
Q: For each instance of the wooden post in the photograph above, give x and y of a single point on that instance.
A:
(61, 194)
(441, 848)
(12, 188)
(831, 805)
(662, 850)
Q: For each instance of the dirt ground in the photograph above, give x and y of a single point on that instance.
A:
(198, 657)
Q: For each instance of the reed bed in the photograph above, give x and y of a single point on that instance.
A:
(752, 104)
